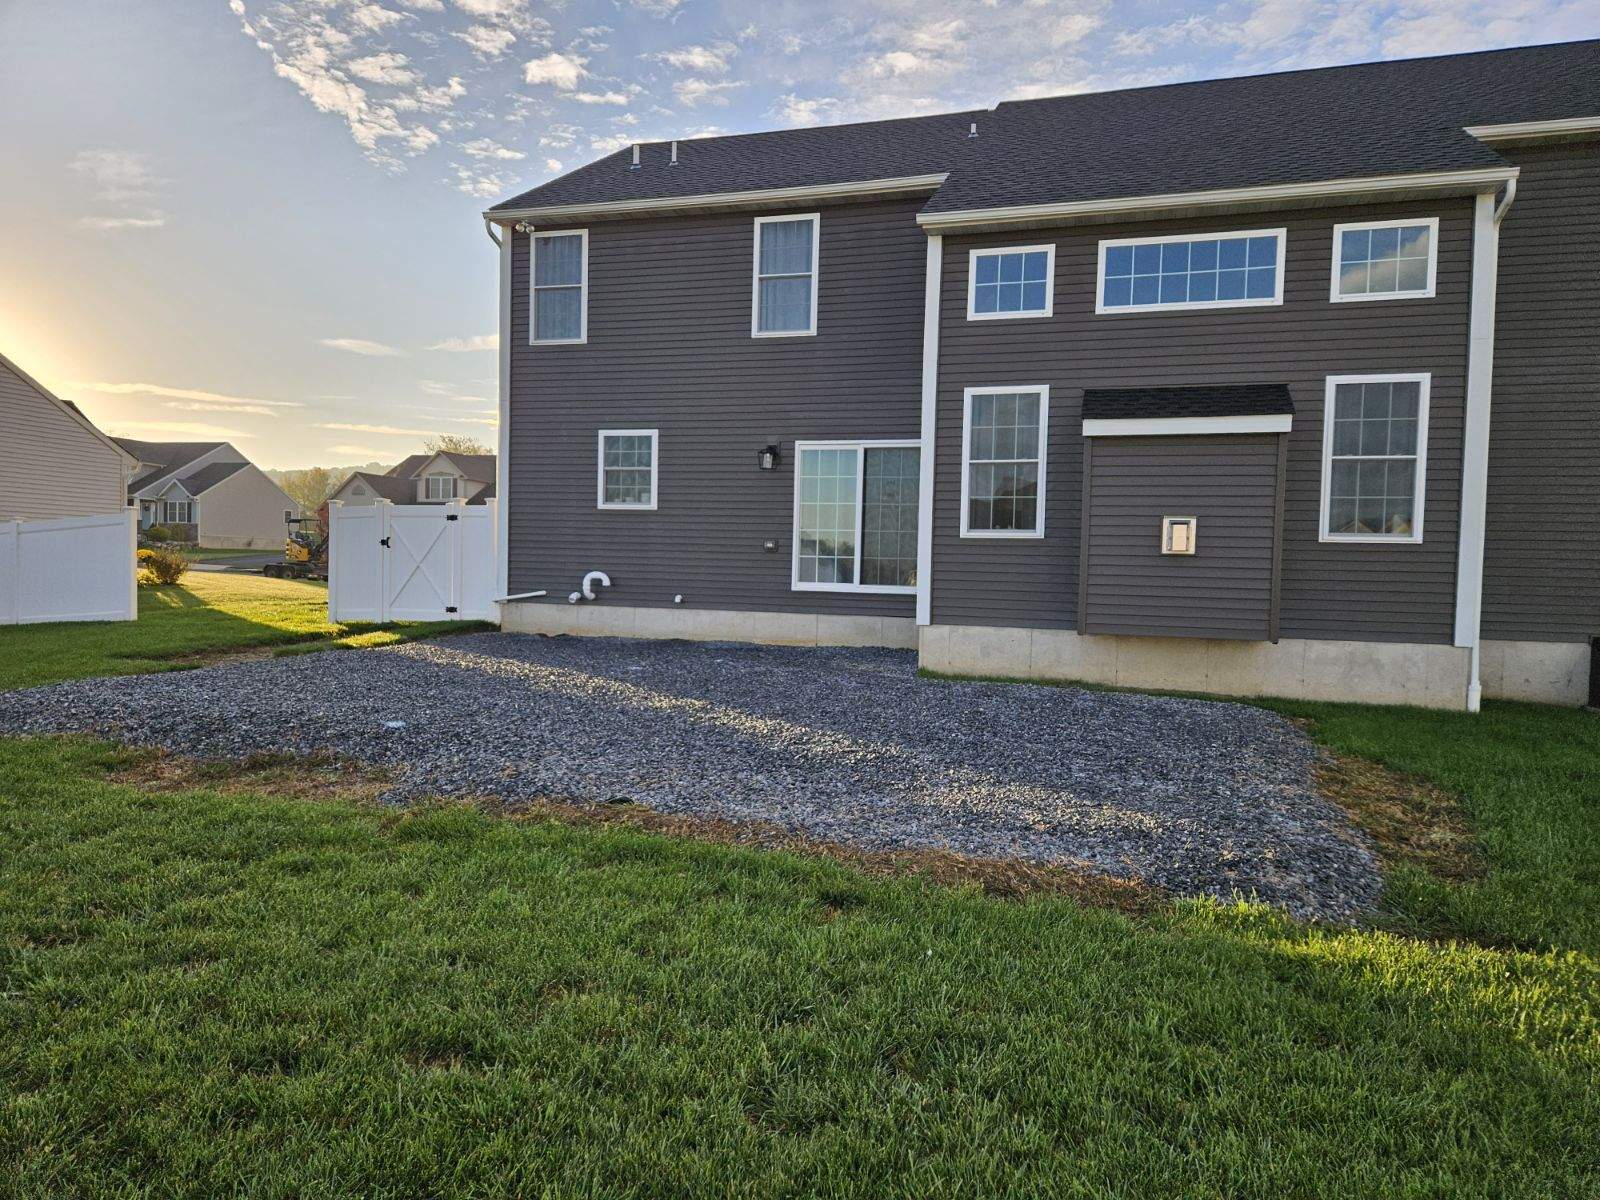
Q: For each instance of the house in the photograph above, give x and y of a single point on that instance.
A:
(1280, 385)
(433, 478)
(53, 461)
(209, 493)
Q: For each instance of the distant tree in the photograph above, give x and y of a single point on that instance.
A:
(454, 443)
(310, 487)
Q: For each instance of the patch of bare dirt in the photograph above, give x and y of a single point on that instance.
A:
(1409, 820)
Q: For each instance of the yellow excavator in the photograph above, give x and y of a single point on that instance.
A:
(305, 550)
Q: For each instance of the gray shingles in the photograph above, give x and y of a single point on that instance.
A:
(1230, 400)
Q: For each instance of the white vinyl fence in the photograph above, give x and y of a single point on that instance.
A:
(411, 562)
(70, 569)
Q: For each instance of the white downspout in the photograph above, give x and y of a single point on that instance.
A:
(502, 462)
(930, 411)
(1487, 216)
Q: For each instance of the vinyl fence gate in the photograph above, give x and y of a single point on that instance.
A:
(69, 569)
(411, 562)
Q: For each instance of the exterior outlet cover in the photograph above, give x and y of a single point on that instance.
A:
(770, 545)
(1178, 535)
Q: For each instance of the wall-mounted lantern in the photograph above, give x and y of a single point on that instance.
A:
(768, 458)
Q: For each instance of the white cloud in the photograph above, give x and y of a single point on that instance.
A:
(482, 341)
(487, 41)
(817, 110)
(374, 18)
(486, 185)
(561, 71)
(109, 224)
(435, 99)
(489, 148)
(658, 8)
(695, 92)
(611, 143)
(203, 406)
(898, 62)
(387, 68)
(360, 346)
(157, 389)
(703, 59)
(600, 97)
(422, 5)
(552, 164)
(364, 452)
(560, 136)
(121, 178)
(385, 430)
(189, 429)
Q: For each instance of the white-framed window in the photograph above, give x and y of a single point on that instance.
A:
(177, 512)
(1385, 260)
(1004, 434)
(783, 302)
(1374, 458)
(1243, 269)
(559, 285)
(855, 516)
(1011, 281)
(627, 469)
(439, 486)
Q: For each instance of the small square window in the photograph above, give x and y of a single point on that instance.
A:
(1015, 281)
(1385, 260)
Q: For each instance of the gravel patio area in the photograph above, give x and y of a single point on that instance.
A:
(847, 745)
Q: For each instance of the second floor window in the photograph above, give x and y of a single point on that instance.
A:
(1010, 282)
(1385, 260)
(785, 300)
(1222, 270)
(560, 286)
(439, 487)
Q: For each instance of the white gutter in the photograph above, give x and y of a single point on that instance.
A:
(1373, 186)
(1517, 131)
(1185, 426)
(759, 197)
(1475, 436)
(930, 410)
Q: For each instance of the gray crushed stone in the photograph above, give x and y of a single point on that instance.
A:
(849, 745)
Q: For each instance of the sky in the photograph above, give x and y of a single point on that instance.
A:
(258, 220)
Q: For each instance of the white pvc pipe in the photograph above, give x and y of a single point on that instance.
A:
(592, 578)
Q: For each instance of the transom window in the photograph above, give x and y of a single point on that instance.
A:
(560, 287)
(627, 468)
(1016, 281)
(1224, 270)
(439, 487)
(855, 516)
(1375, 438)
(785, 300)
(1385, 260)
(1003, 437)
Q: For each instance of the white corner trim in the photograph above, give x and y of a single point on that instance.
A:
(502, 463)
(860, 446)
(1424, 380)
(1043, 390)
(760, 196)
(1374, 186)
(755, 275)
(583, 289)
(930, 413)
(1518, 130)
(1335, 296)
(1185, 426)
(1048, 250)
(1107, 245)
(600, 470)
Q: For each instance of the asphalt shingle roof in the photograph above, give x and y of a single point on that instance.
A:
(1347, 122)
(208, 476)
(1226, 400)
(172, 458)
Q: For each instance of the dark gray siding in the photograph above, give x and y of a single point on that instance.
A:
(670, 348)
(1542, 556)
(1223, 590)
(1381, 593)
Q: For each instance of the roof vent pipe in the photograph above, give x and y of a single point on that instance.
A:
(674, 151)
(972, 130)
(635, 166)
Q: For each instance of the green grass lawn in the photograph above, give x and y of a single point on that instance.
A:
(205, 613)
(206, 554)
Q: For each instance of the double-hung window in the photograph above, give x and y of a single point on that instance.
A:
(1003, 437)
(1015, 281)
(179, 512)
(627, 476)
(440, 486)
(1385, 260)
(1374, 458)
(560, 297)
(855, 516)
(1218, 270)
(784, 303)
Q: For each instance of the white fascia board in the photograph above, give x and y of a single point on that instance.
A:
(1374, 186)
(757, 198)
(1180, 426)
(1526, 130)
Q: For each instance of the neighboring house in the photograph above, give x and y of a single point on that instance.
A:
(1178, 387)
(208, 492)
(53, 461)
(424, 479)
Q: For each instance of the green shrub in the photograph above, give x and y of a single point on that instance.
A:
(161, 566)
(158, 533)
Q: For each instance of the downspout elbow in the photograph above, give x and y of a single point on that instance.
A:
(1505, 204)
(488, 227)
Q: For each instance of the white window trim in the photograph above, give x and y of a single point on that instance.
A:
(600, 469)
(1426, 293)
(1424, 379)
(427, 491)
(1100, 308)
(1049, 283)
(1043, 389)
(166, 512)
(755, 275)
(860, 447)
(583, 288)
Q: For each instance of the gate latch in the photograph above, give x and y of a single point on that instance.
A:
(450, 608)
(452, 517)
(384, 542)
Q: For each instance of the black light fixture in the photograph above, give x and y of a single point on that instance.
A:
(768, 458)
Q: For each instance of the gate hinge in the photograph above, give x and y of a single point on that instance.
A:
(450, 607)
(384, 542)
(452, 517)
